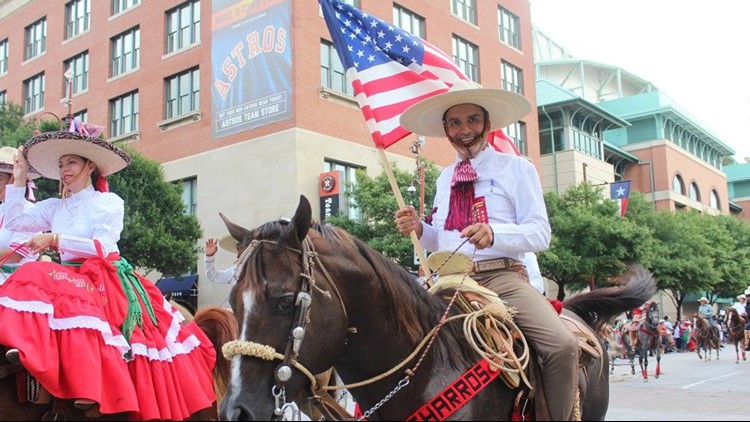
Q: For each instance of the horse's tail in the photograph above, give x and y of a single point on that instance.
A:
(220, 326)
(600, 306)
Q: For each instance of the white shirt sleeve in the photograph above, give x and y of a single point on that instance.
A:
(215, 275)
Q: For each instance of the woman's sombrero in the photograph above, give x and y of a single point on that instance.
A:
(8, 159)
(504, 107)
(43, 153)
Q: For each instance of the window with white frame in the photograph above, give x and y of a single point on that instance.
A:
(3, 56)
(408, 21)
(332, 74)
(36, 39)
(512, 77)
(123, 114)
(3, 97)
(33, 93)
(183, 93)
(517, 132)
(119, 6)
(77, 17)
(466, 56)
(465, 9)
(713, 200)
(354, 3)
(348, 179)
(79, 70)
(82, 116)
(677, 185)
(190, 195)
(695, 193)
(183, 25)
(509, 28)
(126, 51)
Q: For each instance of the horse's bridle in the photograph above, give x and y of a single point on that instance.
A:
(300, 319)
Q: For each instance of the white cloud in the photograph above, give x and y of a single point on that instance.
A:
(695, 52)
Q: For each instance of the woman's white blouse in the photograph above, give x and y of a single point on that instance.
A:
(78, 219)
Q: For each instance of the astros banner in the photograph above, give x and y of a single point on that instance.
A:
(251, 56)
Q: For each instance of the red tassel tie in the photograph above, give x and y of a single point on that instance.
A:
(101, 184)
(462, 196)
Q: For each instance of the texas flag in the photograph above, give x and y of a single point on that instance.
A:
(620, 192)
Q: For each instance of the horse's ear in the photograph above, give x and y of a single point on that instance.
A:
(237, 232)
(302, 220)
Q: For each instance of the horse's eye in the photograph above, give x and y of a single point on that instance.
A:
(286, 305)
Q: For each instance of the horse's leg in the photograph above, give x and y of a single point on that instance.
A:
(658, 361)
(643, 360)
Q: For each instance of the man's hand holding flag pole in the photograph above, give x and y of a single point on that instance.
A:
(390, 70)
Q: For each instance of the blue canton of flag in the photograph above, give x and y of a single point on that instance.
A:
(389, 68)
(620, 192)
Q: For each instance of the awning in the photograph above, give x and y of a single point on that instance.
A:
(177, 284)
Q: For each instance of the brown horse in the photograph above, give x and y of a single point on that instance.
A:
(311, 296)
(219, 326)
(705, 337)
(736, 332)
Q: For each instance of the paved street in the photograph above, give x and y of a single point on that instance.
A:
(688, 389)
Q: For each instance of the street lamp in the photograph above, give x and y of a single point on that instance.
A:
(69, 96)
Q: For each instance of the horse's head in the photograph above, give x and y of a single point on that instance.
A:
(281, 277)
(652, 314)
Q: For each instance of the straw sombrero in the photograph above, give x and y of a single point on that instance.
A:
(43, 153)
(504, 108)
(228, 243)
(8, 159)
(703, 299)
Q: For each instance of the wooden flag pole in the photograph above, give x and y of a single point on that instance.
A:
(402, 204)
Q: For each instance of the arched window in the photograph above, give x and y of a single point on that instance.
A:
(714, 200)
(677, 185)
(695, 193)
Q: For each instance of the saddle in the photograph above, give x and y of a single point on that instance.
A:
(452, 274)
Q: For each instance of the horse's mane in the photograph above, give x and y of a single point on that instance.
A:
(219, 325)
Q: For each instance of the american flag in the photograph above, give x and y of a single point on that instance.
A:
(390, 69)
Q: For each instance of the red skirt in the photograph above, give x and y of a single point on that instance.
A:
(65, 321)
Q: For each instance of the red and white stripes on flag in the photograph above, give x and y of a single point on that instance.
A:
(390, 69)
(501, 142)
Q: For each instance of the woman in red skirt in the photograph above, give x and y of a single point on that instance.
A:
(91, 329)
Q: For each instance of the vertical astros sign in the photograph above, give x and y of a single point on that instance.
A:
(330, 193)
(251, 59)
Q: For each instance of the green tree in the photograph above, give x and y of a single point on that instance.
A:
(589, 239)
(377, 202)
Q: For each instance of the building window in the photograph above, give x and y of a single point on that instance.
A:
(466, 56)
(183, 25)
(512, 77)
(332, 74)
(190, 195)
(348, 179)
(3, 56)
(82, 116)
(119, 6)
(354, 3)
(126, 51)
(123, 114)
(183, 93)
(3, 97)
(77, 17)
(517, 132)
(465, 9)
(509, 28)
(79, 73)
(695, 193)
(33, 94)
(713, 200)
(408, 21)
(677, 185)
(36, 39)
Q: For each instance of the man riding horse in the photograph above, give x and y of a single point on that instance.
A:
(707, 311)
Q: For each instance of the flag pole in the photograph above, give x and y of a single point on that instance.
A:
(401, 204)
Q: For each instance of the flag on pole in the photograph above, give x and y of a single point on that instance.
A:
(501, 142)
(389, 68)
(620, 192)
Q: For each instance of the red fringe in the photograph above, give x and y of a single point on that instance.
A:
(101, 184)
(462, 197)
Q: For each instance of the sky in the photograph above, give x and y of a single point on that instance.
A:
(695, 52)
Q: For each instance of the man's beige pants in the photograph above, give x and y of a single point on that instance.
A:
(555, 345)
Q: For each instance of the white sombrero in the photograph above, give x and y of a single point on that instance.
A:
(8, 159)
(504, 107)
(43, 153)
(228, 243)
(703, 299)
